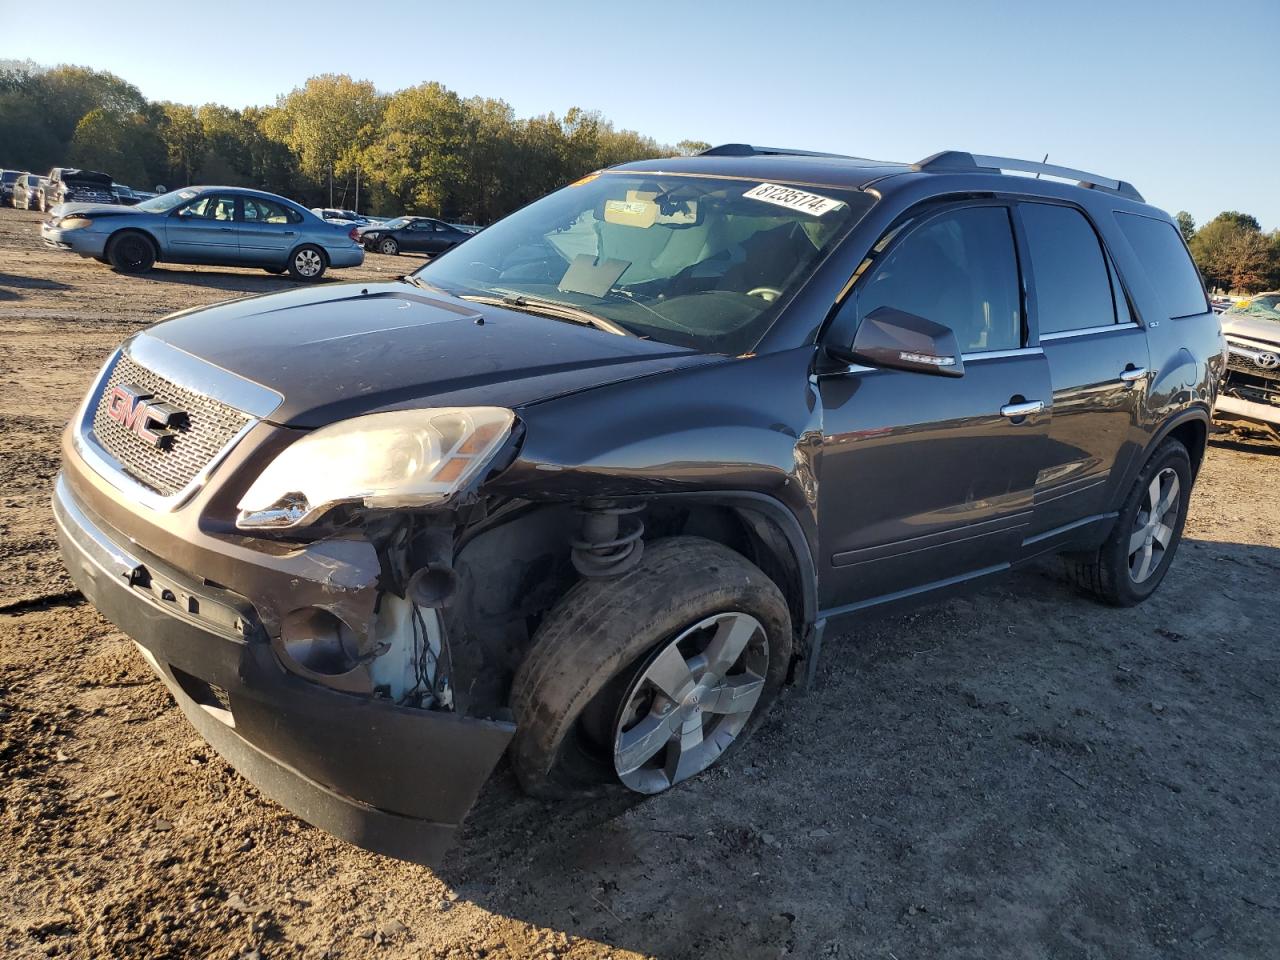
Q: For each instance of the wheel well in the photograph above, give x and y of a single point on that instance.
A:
(514, 564)
(324, 254)
(125, 231)
(1194, 435)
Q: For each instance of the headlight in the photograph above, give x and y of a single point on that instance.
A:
(407, 458)
(74, 223)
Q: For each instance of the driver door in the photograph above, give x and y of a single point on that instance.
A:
(926, 481)
(204, 230)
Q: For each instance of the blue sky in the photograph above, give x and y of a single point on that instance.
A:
(1178, 97)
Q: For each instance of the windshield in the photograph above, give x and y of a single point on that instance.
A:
(690, 260)
(167, 201)
(1265, 306)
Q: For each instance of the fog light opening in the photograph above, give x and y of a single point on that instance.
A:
(319, 646)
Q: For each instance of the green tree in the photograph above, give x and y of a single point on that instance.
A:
(417, 152)
(691, 148)
(326, 122)
(184, 141)
(116, 144)
(1186, 225)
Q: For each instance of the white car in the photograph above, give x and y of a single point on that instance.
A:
(1251, 384)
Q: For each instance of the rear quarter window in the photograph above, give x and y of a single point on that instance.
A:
(1168, 265)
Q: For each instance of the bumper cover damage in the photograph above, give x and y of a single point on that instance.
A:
(395, 780)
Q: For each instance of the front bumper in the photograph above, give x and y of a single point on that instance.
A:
(394, 780)
(87, 243)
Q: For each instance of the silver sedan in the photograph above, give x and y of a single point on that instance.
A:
(219, 226)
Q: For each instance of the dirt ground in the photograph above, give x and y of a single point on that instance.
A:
(1021, 773)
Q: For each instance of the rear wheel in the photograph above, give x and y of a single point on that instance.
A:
(1135, 558)
(131, 253)
(647, 679)
(307, 263)
(388, 246)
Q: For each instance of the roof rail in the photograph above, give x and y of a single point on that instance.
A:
(748, 150)
(958, 160)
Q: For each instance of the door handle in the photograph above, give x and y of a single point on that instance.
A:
(226, 229)
(291, 233)
(1015, 410)
(1133, 375)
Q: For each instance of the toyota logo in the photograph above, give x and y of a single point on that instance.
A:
(1268, 361)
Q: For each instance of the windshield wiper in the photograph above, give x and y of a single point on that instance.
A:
(423, 285)
(551, 308)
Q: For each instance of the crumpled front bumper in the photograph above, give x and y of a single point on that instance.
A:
(87, 243)
(392, 779)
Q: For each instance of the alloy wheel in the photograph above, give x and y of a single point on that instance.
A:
(1153, 527)
(690, 702)
(308, 263)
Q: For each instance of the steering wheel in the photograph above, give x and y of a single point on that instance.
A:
(767, 294)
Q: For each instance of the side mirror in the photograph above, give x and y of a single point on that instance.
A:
(898, 340)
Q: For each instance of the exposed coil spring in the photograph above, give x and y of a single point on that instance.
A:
(611, 539)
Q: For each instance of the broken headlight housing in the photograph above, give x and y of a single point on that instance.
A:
(406, 458)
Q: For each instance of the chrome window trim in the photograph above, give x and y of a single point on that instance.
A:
(977, 355)
(1088, 331)
(172, 364)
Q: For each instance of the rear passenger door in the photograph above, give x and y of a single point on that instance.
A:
(268, 231)
(1098, 359)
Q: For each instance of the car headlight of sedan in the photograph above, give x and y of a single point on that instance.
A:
(406, 458)
(74, 223)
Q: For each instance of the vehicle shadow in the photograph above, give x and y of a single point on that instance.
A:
(8, 280)
(236, 282)
(1247, 440)
(989, 774)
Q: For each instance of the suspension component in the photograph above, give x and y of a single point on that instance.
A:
(609, 541)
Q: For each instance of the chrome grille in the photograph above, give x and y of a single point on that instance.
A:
(207, 429)
(1247, 364)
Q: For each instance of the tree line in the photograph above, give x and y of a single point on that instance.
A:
(423, 150)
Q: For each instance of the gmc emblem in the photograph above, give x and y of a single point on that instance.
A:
(129, 406)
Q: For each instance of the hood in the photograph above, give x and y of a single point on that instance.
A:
(349, 349)
(96, 209)
(1251, 328)
(86, 178)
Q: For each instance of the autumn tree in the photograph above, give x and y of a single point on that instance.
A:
(326, 122)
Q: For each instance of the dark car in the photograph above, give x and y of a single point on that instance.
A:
(592, 487)
(125, 195)
(7, 179)
(72, 185)
(413, 234)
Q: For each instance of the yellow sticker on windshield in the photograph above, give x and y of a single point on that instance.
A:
(793, 199)
(587, 179)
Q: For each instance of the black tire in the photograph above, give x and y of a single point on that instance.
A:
(307, 263)
(1106, 574)
(388, 246)
(603, 633)
(131, 252)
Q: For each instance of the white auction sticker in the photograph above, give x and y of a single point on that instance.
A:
(793, 199)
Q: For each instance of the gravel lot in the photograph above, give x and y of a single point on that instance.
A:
(1021, 773)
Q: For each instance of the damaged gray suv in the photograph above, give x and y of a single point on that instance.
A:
(590, 488)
